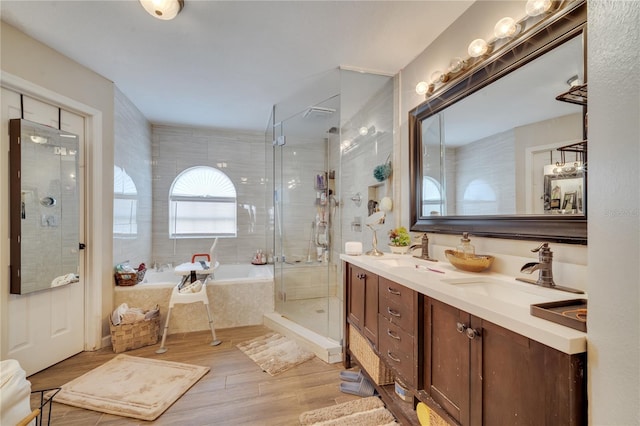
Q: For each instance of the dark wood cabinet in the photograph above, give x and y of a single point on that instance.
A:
(469, 370)
(362, 302)
(481, 373)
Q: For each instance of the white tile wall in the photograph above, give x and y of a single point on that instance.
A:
(175, 149)
(358, 162)
(132, 152)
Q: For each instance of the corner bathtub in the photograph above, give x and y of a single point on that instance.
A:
(239, 295)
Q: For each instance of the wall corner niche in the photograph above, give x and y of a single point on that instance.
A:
(480, 146)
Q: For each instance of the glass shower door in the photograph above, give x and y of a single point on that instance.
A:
(304, 211)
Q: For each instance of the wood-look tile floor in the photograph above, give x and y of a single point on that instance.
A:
(234, 392)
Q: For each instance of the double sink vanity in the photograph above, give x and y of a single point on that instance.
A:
(466, 344)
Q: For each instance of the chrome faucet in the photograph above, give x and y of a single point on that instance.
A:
(545, 266)
(424, 245)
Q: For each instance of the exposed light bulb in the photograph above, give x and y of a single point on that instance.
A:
(506, 27)
(456, 65)
(363, 131)
(436, 77)
(478, 47)
(537, 7)
(422, 88)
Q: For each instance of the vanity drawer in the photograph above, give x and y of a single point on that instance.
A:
(397, 304)
(397, 349)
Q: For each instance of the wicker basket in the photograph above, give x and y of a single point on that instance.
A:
(132, 336)
(368, 359)
(129, 278)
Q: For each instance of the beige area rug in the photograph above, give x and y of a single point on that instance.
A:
(368, 411)
(275, 353)
(131, 386)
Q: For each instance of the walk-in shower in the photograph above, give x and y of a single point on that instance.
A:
(306, 218)
(305, 154)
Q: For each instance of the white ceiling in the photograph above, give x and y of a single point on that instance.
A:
(225, 63)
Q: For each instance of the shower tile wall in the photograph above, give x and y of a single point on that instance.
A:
(241, 156)
(358, 161)
(132, 153)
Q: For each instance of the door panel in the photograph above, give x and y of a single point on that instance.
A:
(46, 327)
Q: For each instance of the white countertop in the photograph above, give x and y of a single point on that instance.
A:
(504, 301)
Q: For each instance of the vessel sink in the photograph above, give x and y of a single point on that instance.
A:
(512, 293)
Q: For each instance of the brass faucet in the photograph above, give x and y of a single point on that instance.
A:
(424, 245)
(545, 266)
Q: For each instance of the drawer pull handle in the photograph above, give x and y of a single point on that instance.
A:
(393, 291)
(461, 327)
(393, 334)
(361, 276)
(394, 313)
(390, 355)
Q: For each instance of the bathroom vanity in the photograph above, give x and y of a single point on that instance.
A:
(465, 343)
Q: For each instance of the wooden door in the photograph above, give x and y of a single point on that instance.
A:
(45, 327)
(525, 382)
(355, 296)
(362, 302)
(447, 355)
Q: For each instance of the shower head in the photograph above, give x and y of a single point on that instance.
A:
(333, 130)
(318, 112)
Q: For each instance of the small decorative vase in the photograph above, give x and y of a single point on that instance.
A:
(399, 249)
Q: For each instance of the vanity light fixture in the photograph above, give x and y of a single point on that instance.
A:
(537, 7)
(506, 27)
(163, 9)
(477, 48)
(363, 131)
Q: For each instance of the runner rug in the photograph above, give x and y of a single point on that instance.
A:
(131, 386)
(275, 353)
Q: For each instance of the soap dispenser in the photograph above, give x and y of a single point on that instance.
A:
(465, 248)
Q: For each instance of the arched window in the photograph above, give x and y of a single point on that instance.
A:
(125, 205)
(202, 204)
(432, 201)
(479, 198)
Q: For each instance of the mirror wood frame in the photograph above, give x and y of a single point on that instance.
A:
(557, 29)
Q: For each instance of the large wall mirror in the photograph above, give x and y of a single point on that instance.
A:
(44, 207)
(496, 153)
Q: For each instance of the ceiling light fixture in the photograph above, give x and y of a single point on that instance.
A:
(163, 9)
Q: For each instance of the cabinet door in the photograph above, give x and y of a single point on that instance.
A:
(525, 380)
(355, 296)
(446, 360)
(363, 302)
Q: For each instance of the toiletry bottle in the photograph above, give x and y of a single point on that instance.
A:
(465, 247)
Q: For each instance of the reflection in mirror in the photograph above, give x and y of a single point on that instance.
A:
(44, 207)
(480, 147)
(484, 149)
(125, 205)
